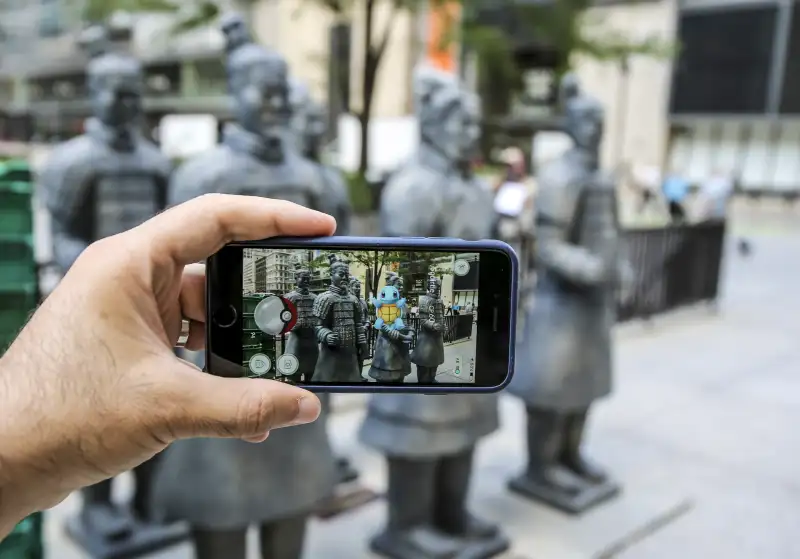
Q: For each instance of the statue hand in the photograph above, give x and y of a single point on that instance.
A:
(437, 327)
(332, 339)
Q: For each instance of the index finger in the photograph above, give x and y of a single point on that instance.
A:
(196, 229)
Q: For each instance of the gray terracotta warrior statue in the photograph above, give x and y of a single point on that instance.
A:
(222, 487)
(429, 443)
(391, 361)
(429, 351)
(340, 329)
(310, 126)
(302, 340)
(104, 182)
(355, 290)
(564, 366)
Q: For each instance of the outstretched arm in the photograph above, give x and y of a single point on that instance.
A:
(556, 210)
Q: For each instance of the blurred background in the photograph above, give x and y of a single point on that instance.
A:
(702, 99)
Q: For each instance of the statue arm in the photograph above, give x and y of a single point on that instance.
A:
(65, 183)
(555, 212)
(361, 334)
(390, 333)
(322, 314)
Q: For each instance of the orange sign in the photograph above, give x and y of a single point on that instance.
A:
(443, 19)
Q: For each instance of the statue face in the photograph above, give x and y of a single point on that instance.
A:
(355, 287)
(117, 96)
(451, 121)
(303, 279)
(452, 132)
(586, 124)
(339, 276)
(261, 89)
(470, 137)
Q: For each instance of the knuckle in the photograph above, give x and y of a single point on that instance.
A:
(256, 412)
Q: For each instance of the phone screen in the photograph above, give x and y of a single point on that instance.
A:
(387, 316)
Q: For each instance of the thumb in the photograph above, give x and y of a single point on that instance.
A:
(205, 405)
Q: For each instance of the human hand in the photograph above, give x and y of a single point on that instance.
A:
(92, 387)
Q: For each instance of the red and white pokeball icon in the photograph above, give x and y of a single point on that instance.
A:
(275, 315)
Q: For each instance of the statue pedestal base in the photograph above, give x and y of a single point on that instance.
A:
(571, 503)
(139, 538)
(426, 543)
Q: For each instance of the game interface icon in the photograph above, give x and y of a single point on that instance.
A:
(275, 315)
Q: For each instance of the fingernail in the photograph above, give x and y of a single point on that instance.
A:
(308, 410)
(258, 438)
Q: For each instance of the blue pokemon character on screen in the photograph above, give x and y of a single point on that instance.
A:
(389, 308)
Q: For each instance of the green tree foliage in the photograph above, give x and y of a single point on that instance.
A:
(564, 27)
(378, 262)
(376, 37)
(100, 11)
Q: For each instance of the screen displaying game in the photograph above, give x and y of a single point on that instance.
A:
(359, 316)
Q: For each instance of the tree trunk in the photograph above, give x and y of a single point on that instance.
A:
(367, 86)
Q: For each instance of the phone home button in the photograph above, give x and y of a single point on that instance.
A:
(225, 317)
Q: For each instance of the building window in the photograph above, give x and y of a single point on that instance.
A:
(725, 62)
(790, 89)
(211, 78)
(163, 79)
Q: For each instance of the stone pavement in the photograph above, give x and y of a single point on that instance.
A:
(701, 432)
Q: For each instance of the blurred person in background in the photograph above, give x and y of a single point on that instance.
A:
(513, 200)
(515, 170)
(646, 180)
(716, 194)
(676, 190)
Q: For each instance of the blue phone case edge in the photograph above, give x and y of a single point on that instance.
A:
(456, 244)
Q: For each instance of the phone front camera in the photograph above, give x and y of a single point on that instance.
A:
(225, 317)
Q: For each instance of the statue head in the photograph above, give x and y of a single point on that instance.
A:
(583, 115)
(302, 276)
(115, 81)
(434, 286)
(355, 286)
(258, 80)
(448, 114)
(340, 271)
(393, 279)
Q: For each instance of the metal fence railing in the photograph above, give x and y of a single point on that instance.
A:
(456, 328)
(675, 266)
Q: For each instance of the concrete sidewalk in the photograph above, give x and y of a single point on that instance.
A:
(701, 432)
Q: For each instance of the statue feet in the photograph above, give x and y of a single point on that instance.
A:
(108, 531)
(478, 528)
(425, 542)
(563, 489)
(107, 521)
(584, 468)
